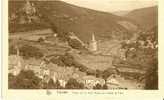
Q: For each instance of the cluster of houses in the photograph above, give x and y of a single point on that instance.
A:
(46, 71)
(148, 43)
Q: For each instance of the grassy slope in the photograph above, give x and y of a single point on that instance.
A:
(66, 18)
(145, 17)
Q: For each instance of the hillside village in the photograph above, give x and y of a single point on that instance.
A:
(68, 62)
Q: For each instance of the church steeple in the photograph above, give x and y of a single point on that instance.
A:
(18, 58)
(93, 37)
(18, 66)
(93, 44)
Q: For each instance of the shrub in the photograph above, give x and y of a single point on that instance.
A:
(151, 76)
(24, 80)
(57, 60)
(12, 50)
(40, 39)
(28, 51)
(105, 86)
(75, 44)
(108, 72)
(57, 85)
(51, 84)
(73, 84)
(68, 59)
(98, 73)
(11, 81)
(97, 86)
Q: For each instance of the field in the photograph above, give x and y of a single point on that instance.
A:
(49, 48)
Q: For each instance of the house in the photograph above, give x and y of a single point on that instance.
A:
(90, 81)
(12, 17)
(62, 82)
(60, 77)
(15, 63)
(62, 74)
(122, 53)
(38, 66)
(112, 82)
(150, 44)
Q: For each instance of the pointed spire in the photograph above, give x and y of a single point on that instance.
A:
(18, 57)
(93, 37)
(93, 43)
(17, 49)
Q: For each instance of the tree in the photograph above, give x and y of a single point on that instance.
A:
(57, 85)
(105, 86)
(11, 81)
(57, 60)
(98, 73)
(67, 59)
(73, 84)
(76, 44)
(28, 51)
(40, 40)
(97, 86)
(12, 50)
(25, 80)
(144, 58)
(151, 76)
(108, 72)
(51, 84)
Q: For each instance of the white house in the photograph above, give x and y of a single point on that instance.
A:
(62, 82)
(15, 62)
(91, 81)
(112, 82)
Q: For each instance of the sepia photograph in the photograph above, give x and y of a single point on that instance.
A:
(83, 44)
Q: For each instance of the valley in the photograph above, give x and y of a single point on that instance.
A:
(69, 47)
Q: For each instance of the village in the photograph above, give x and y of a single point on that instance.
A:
(93, 60)
(55, 72)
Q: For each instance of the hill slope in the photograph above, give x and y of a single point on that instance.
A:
(64, 17)
(145, 17)
(121, 13)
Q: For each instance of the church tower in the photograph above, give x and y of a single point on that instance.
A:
(93, 44)
(18, 66)
(18, 58)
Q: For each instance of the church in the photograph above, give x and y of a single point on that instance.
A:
(93, 44)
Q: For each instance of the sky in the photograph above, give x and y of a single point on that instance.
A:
(113, 5)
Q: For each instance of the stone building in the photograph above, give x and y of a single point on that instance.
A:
(91, 81)
(93, 44)
(15, 63)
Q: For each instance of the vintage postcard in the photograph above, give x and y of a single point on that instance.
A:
(102, 49)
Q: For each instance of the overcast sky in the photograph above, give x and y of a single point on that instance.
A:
(113, 5)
